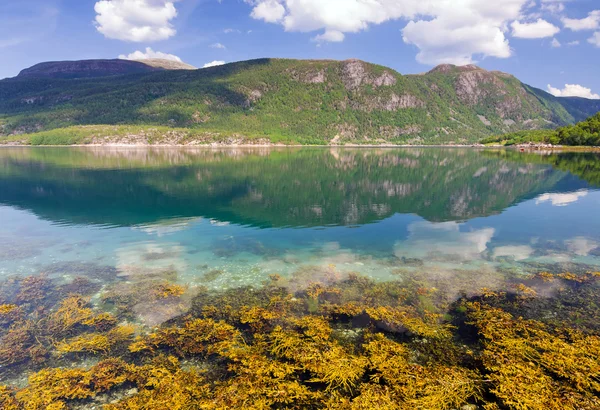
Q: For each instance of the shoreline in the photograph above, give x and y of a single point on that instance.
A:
(525, 148)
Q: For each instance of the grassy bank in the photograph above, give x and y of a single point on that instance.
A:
(137, 135)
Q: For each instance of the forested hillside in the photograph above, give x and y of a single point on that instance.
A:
(275, 100)
(584, 133)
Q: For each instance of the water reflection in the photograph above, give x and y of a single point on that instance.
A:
(277, 188)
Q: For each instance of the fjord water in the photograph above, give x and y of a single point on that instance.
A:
(223, 218)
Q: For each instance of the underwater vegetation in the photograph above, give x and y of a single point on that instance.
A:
(345, 343)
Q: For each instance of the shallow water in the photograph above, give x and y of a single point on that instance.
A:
(305, 278)
(232, 217)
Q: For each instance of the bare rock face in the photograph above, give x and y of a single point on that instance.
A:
(308, 77)
(354, 74)
(385, 79)
(315, 78)
(510, 107)
(403, 101)
(166, 64)
(392, 103)
(473, 86)
(484, 120)
(252, 97)
(449, 68)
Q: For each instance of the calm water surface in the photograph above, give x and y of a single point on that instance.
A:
(225, 218)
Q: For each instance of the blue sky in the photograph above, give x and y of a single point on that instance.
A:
(542, 42)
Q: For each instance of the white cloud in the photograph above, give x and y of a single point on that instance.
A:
(331, 36)
(595, 39)
(445, 31)
(231, 30)
(538, 29)
(553, 6)
(573, 43)
(213, 64)
(573, 90)
(561, 199)
(136, 20)
(149, 53)
(270, 11)
(591, 22)
(439, 42)
(555, 43)
(218, 45)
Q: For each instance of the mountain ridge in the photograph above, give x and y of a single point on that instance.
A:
(294, 101)
(100, 68)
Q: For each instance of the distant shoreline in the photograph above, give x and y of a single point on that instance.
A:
(526, 148)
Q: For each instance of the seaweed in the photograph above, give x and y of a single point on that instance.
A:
(96, 342)
(53, 388)
(348, 343)
(8, 401)
(124, 297)
(533, 365)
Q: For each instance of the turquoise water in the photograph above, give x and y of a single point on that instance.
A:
(223, 218)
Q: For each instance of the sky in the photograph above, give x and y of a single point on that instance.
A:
(550, 44)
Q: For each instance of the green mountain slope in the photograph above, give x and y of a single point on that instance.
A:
(289, 101)
(584, 133)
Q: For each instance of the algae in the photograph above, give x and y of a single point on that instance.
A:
(342, 341)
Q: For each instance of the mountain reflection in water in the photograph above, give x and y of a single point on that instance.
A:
(269, 188)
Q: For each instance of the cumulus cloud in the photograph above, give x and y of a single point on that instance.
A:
(445, 31)
(573, 90)
(561, 199)
(136, 20)
(271, 11)
(595, 39)
(213, 64)
(537, 29)
(573, 43)
(555, 43)
(331, 36)
(218, 45)
(148, 54)
(591, 22)
(440, 42)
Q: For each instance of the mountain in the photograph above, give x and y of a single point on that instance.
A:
(99, 68)
(277, 100)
